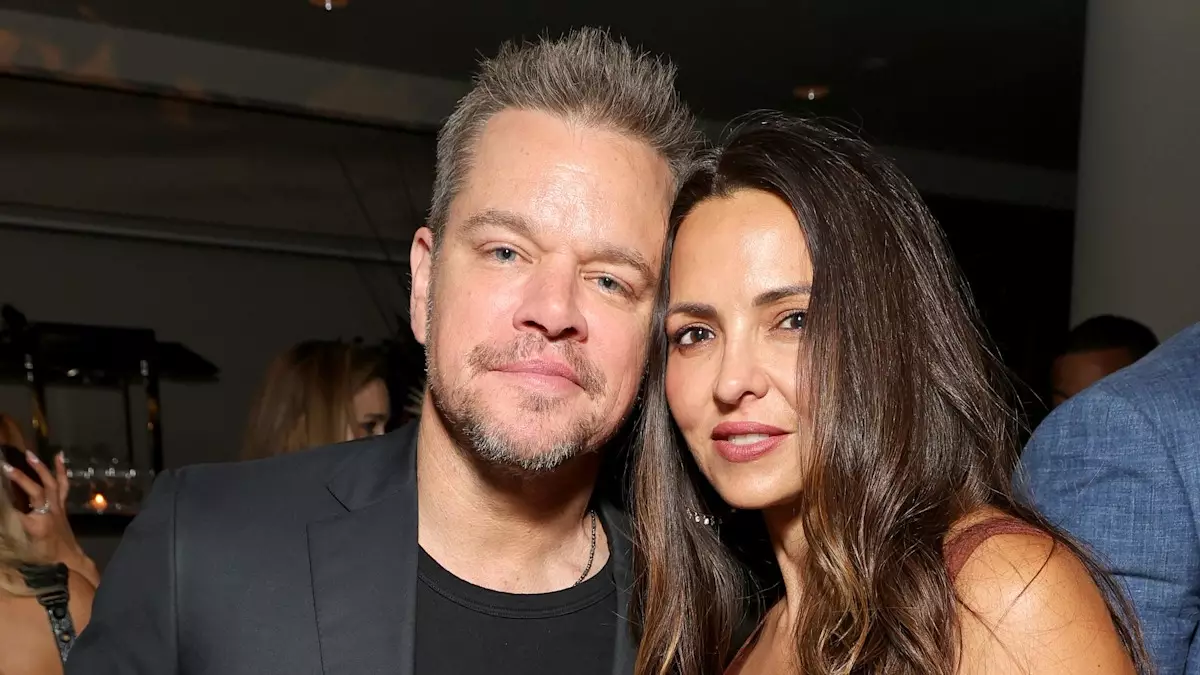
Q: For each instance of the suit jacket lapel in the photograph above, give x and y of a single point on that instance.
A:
(364, 562)
(620, 544)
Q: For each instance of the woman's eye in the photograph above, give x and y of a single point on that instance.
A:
(504, 254)
(793, 321)
(692, 335)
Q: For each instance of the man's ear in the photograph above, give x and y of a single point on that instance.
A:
(420, 266)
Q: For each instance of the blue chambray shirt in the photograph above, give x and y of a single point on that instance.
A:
(1118, 466)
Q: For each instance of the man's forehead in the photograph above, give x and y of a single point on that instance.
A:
(565, 185)
(519, 150)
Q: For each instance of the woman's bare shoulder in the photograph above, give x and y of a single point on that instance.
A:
(1030, 606)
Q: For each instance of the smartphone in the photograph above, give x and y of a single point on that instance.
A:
(16, 459)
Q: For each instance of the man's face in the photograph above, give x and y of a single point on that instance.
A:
(538, 310)
(1074, 372)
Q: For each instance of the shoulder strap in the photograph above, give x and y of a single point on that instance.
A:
(959, 549)
(739, 659)
(50, 585)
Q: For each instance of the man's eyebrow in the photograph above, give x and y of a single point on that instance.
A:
(520, 226)
(513, 222)
(619, 255)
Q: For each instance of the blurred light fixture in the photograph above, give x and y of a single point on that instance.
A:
(329, 5)
(811, 92)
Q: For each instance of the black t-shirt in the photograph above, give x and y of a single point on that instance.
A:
(463, 629)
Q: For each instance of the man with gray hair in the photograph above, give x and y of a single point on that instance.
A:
(472, 541)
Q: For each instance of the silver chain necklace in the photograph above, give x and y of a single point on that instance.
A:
(591, 554)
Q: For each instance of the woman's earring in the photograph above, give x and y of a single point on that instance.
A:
(703, 518)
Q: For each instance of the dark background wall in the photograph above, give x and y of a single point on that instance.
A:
(1017, 260)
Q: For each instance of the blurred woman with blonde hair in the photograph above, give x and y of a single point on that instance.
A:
(318, 393)
(46, 580)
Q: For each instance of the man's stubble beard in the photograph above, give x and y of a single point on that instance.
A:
(467, 418)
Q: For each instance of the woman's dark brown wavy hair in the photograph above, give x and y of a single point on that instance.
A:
(911, 430)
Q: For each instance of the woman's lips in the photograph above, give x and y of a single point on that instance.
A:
(746, 441)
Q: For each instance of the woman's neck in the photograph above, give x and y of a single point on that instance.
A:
(786, 528)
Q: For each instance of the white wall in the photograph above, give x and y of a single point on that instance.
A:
(1137, 233)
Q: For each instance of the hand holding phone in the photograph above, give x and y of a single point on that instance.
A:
(41, 496)
(17, 496)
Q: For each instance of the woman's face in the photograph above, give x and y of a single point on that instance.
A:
(740, 281)
(372, 410)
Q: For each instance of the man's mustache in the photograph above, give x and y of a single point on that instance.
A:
(485, 357)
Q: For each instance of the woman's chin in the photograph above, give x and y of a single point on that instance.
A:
(756, 496)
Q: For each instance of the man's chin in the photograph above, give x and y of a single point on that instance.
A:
(530, 442)
(530, 446)
(527, 460)
(532, 417)
(504, 429)
(537, 407)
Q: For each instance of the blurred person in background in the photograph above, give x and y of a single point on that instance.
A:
(318, 393)
(1095, 349)
(1118, 466)
(46, 580)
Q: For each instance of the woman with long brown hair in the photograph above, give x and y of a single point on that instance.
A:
(318, 393)
(825, 429)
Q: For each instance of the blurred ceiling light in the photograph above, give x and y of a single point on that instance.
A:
(811, 93)
(329, 5)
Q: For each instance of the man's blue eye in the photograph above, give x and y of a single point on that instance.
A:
(504, 254)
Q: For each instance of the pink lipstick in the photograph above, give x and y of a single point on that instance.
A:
(746, 441)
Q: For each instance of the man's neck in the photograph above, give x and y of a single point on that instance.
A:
(507, 531)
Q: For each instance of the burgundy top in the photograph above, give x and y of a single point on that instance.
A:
(958, 551)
